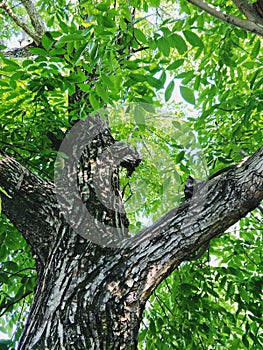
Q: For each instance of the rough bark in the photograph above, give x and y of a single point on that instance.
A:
(91, 296)
(247, 8)
(37, 23)
(92, 287)
(18, 52)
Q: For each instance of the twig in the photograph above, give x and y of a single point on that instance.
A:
(201, 252)
(13, 302)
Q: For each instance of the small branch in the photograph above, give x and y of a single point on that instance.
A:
(199, 252)
(35, 36)
(226, 17)
(248, 10)
(33, 14)
(13, 302)
(140, 49)
(18, 273)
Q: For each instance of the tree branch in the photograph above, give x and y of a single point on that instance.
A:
(92, 202)
(228, 18)
(30, 205)
(248, 10)
(18, 52)
(34, 16)
(219, 203)
(13, 302)
(34, 35)
(258, 6)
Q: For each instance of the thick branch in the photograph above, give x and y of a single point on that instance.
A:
(217, 205)
(18, 52)
(34, 16)
(258, 6)
(228, 18)
(88, 184)
(87, 189)
(248, 10)
(34, 35)
(32, 206)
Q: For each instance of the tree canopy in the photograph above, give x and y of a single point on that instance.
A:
(129, 59)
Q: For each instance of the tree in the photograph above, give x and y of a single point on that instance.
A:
(93, 277)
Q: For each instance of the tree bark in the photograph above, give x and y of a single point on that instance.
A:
(253, 26)
(94, 278)
(90, 295)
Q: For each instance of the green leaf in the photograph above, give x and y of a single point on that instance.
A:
(5, 344)
(93, 98)
(251, 64)
(255, 50)
(102, 93)
(84, 87)
(27, 63)
(169, 90)
(176, 64)
(47, 41)
(187, 94)
(4, 278)
(106, 21)
(4, 192)
(102, 7)
(155, 3)
(50, 22)
(164, 46)
(245, 341)
(11, 266)
(55, 52)
(94, 52)
(70, 38)
(130, 64)
(163, 78)
(139, 116)
(10, 63)
(137, 77)
(79, 53)
(140, 36)
(180, 157)
(64, 26)
(192, 38)
(178, 42)
(38, 51)
(13, 84)
(156, 83)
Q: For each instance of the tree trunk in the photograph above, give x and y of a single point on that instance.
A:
(84, 299)
(93, 277)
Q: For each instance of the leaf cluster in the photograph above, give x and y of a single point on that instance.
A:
(213, 303)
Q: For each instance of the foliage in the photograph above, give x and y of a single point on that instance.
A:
(17, 280)
(212, 303)
(139, 52)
